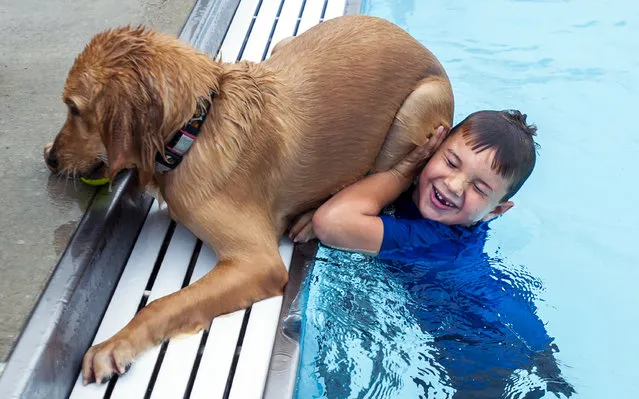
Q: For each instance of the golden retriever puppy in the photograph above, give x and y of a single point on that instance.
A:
(274, 139)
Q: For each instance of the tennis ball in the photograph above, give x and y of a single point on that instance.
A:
(95, 182)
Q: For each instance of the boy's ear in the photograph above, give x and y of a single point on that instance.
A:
(499, 210)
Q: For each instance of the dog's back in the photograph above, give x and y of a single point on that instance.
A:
(347, 78)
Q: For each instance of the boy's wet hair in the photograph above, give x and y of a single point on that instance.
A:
(510, 136)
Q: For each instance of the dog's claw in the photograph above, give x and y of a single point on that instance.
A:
(123, 369)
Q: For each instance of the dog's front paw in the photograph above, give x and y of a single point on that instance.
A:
(103, 361)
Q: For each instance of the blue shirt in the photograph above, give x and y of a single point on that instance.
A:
(480, 313)
(406, 230)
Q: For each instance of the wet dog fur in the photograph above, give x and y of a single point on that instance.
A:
(351, 95)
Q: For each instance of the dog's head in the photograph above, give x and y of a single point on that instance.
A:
(115, 109)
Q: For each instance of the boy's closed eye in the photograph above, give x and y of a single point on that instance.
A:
(452, 159)
(480, 189)
(452, 162)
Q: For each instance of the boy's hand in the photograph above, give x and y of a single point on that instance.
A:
(417, 157)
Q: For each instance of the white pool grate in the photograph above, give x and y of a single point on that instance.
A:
(230, 359)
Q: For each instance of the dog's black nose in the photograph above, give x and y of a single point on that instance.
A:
(52, 160)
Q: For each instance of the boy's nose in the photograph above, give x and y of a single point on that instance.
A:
(457, 184)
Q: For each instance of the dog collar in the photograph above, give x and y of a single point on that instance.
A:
(183, 138)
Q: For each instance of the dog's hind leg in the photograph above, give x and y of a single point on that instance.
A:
(301, 229)
(424, 110)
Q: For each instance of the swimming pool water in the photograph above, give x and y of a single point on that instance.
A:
(567, 254)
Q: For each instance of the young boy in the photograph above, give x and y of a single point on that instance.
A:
(468, 181)
(485, 328)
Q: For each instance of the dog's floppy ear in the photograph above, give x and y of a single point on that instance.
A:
(114, 116)
(130, 115)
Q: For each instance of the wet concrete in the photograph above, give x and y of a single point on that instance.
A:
(38, 212)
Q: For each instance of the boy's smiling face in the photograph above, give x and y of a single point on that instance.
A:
(459, 187)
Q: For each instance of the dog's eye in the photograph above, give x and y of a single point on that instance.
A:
(74, 109)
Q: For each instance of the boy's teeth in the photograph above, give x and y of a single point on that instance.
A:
(443, 201)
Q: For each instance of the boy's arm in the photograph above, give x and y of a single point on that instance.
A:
(349, 220)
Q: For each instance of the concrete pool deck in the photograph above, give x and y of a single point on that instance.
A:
(39, 212)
